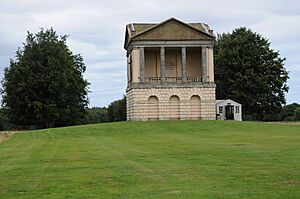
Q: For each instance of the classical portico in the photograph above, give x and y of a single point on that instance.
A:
(170, 71)
(169, 64)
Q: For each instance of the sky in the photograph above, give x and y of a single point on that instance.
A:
(96, 30)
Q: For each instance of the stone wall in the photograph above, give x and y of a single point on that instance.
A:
(138, 106)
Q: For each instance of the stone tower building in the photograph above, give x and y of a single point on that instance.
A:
(170, 71)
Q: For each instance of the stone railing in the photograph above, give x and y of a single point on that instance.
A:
(152, 79)
(173, 79)
(193, 79)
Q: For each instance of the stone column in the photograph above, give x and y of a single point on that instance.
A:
(183, 63)
(162, 63)
(204, 63)
(142, 64)
(211, 69)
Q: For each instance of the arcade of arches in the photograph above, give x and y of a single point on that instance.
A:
(174, 108)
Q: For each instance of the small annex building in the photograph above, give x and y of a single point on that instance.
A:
(228, 110)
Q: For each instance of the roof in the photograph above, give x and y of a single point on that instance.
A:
(226, 101)
(134, 30)
(219, 101)
(137, 28)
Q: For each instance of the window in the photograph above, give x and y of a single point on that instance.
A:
(220, 109)
(237, 109)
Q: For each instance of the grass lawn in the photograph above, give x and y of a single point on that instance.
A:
(169, 159)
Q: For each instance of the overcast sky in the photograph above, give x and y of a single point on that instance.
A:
(96, 31)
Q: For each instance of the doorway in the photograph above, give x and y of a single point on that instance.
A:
(229, 115)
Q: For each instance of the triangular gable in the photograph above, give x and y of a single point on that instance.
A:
(225, 102)
(173, 29)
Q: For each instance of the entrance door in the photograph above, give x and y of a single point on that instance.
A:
(229, 112)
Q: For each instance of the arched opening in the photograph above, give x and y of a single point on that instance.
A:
(195, 107)
(174, 108)
(153, 109)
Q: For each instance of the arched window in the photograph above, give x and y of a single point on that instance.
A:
(195, 107)
(153, 109)
(174, 107)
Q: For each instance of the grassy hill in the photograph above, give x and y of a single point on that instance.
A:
(170, 159)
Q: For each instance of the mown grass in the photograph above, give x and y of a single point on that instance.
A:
(169, 159)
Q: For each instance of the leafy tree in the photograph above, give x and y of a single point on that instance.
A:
(116, 110)
(44, 85)
(249, 71)
(96, 115)
(288, 111)
(297, 114)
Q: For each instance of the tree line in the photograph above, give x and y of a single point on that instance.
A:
(44, 85)
(114, 112)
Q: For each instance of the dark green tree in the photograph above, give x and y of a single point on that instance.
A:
(297, 114)
(96, 115)
(249, 71)
(288, 112)
(44, 84)
(4, 123)
(116, 110)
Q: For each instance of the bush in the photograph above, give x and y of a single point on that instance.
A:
(272, 117)
(289, 119)
(249, 117)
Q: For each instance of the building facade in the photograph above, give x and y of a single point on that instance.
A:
(228, 110)
(170, 71)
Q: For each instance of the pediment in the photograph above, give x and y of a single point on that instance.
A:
(173, 30)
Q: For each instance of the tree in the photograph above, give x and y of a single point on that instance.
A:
(288, 111)
(116, 110)
(96, 115)
(44, 85)
(248, 71)
(4, 123)
(297, 114)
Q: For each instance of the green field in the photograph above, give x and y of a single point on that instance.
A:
(170, 159)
